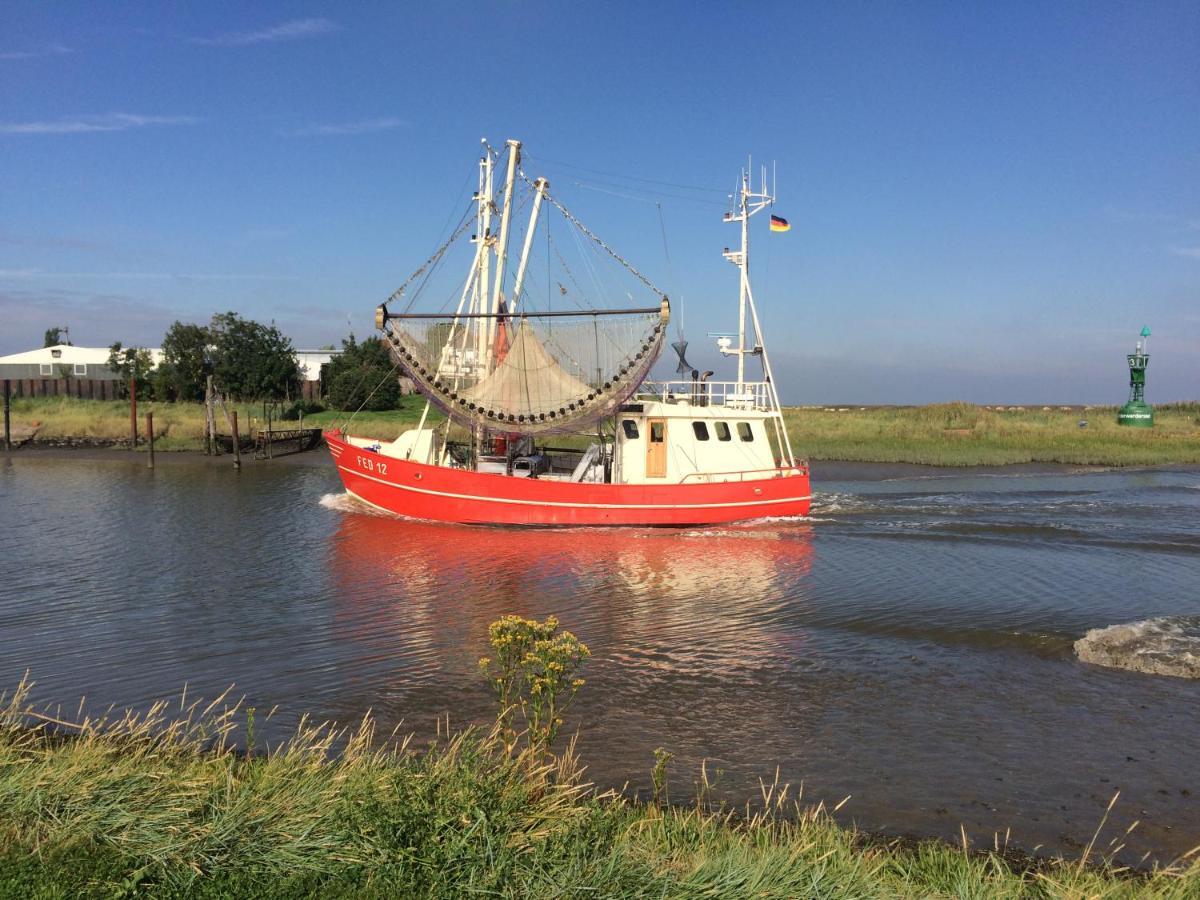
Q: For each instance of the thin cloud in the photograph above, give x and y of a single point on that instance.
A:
(48, 50)
(148, 276)
(54, 241)
(366, 126)
(1192, 252)
(89, 124)
(297, 29)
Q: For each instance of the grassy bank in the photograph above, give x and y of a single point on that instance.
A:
(954, 434)
(961, 434)
(179, 426)
(162, 804)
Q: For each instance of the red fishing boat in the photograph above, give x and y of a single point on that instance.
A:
(549, 416)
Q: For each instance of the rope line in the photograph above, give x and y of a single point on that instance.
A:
(437, 255)
(600, 243)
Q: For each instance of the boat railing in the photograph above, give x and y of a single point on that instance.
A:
(731, 394)
(742, 474)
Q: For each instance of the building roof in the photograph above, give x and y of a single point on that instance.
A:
(67, 355)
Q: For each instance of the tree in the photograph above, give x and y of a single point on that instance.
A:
(363, 376)
(131, 362)
(56, 336)
(252, 361)
(188, 353)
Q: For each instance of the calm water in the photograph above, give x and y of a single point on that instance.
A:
(910, 645)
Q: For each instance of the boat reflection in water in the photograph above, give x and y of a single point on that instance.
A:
(414, 601)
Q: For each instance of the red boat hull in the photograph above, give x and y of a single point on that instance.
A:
(443, 494)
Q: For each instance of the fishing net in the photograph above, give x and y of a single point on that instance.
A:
(530, 372)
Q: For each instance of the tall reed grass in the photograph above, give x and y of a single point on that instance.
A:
(166, 803)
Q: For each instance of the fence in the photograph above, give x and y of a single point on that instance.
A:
(82, 388)
(106, 388)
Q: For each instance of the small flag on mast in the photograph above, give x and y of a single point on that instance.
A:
(779, 224)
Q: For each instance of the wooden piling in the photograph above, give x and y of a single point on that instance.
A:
(237, 444)
(150, 435)
(132, 413)
(7, 422)
(210, 428)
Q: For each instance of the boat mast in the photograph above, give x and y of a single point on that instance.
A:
(484, 236)
(540, 186)
(514, 160)
(751, 202)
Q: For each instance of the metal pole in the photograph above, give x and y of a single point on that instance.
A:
(514, 160)
(132, 413)
(150, 435)
(540, 185)
(7, 422)
(743, 266)
(237, 444)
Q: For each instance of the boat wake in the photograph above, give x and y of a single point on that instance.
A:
(347, 503)
(1169, 645)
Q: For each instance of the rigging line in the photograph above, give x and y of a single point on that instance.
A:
(437, 255)
(601, 294)
(595, 186)
(687, 187)
(607, 249)
(570, 276)
(436, 265)
(589, 187)
(662, 224)
(367, 399)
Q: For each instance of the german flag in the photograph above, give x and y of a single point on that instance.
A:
(779, 224)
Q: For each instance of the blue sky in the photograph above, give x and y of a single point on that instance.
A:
(987, 201)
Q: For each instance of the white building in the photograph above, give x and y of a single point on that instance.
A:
(63, 361)
(310, 362)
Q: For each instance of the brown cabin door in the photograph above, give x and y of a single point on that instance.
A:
(656, 449)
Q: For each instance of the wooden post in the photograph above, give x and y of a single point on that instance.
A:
(7, 423)
(237, 445)
(210, 428)
(150, 435)
(132, 413)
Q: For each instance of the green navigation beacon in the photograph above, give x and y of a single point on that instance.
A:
(1137, 412)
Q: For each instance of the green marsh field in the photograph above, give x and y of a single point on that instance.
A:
(951, 434)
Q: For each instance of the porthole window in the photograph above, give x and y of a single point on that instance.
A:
(630, 427)
(744, 431)
(701, 430)
(722, 431)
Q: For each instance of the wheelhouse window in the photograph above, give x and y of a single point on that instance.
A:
(723, 431)
(46, 369)
(631, 431)
(744, 431)
(701, 430)
(80, 368)
(57, 354)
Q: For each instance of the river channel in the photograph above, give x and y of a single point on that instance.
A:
(909, 646)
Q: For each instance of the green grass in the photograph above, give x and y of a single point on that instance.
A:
(180, 426)
(961, 434)
(163, 805)
(951, 434)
